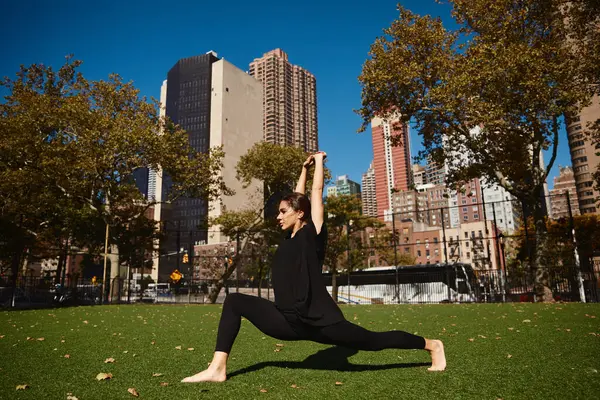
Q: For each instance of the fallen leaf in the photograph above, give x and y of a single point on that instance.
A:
(164, 384)
(109, 360)
(511, 329)
(177, 347)
(568, 330)
(338, 384)
(498, 338)
(1, 336)
(190, 349)
(22, 387)
(125, 352)
(62, 341)
(133, 392)
(278, 345)
(41, 339)
(153, 342)
(71, 397)
(294, 386)
(483, 337)
(526, 320)
(509, 356)
(85, 322)
(157, 374)
(67, 356)
(102, 376)
(471, 340)
(263, 390)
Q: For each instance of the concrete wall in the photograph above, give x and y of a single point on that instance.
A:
(236, 122)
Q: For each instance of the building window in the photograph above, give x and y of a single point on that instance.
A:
(468, 255)
(418, 253)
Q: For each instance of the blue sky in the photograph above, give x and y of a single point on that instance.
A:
(141, 40)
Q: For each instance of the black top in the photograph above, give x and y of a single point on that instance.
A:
(297, 281)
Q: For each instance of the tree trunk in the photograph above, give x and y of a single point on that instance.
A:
(334, 286)
(16, 261)
(260, 279)
(62, 260)
(115, 284)
(539, 265)
(214, 294)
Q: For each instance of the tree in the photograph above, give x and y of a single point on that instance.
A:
(488, 98)
(383, 245)
(82, 140)
(278, 168)
(343, 218)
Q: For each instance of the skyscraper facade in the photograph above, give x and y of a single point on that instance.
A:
(584, 157)
(392, 164)
(368, 194)
(218, 105)
(289, 101)
(564, 183)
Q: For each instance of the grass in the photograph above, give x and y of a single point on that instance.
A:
(494, 351)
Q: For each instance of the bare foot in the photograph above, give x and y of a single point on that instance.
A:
(208, 375)
(438, 357)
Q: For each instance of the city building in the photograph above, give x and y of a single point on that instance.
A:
(425, 204)
(331, 191)
(475, 243)
(218, 104)
(368, 196)
(419, 175)
(393, 170)
(564, 183)
(501, 207)
(289, 101)
(584, 157)
(347, 186)
(435, 174)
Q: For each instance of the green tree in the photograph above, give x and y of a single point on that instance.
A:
(488, 98)
(344, 221)
(84, 139)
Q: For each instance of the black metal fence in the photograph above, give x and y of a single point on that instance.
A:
(439, 283)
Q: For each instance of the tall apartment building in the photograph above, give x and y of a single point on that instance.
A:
(368, 196)
(584, 157)
(435, 174)
(289, 101)
(392, 164)
(564, 183)
(501, 207)
(419, 177)
(217, 104)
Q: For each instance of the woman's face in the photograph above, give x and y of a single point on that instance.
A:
(287, 217)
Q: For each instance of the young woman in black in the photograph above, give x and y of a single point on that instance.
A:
(303, 309)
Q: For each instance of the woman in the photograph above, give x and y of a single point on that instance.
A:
(303, 309)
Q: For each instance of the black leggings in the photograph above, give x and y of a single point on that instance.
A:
(265, 316)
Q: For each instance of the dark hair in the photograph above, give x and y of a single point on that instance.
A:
(298, 202)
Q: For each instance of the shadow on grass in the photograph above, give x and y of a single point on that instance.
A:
(332, 359)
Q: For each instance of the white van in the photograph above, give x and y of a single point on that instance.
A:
(156, 289)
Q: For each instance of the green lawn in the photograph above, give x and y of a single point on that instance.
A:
(507, 351)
